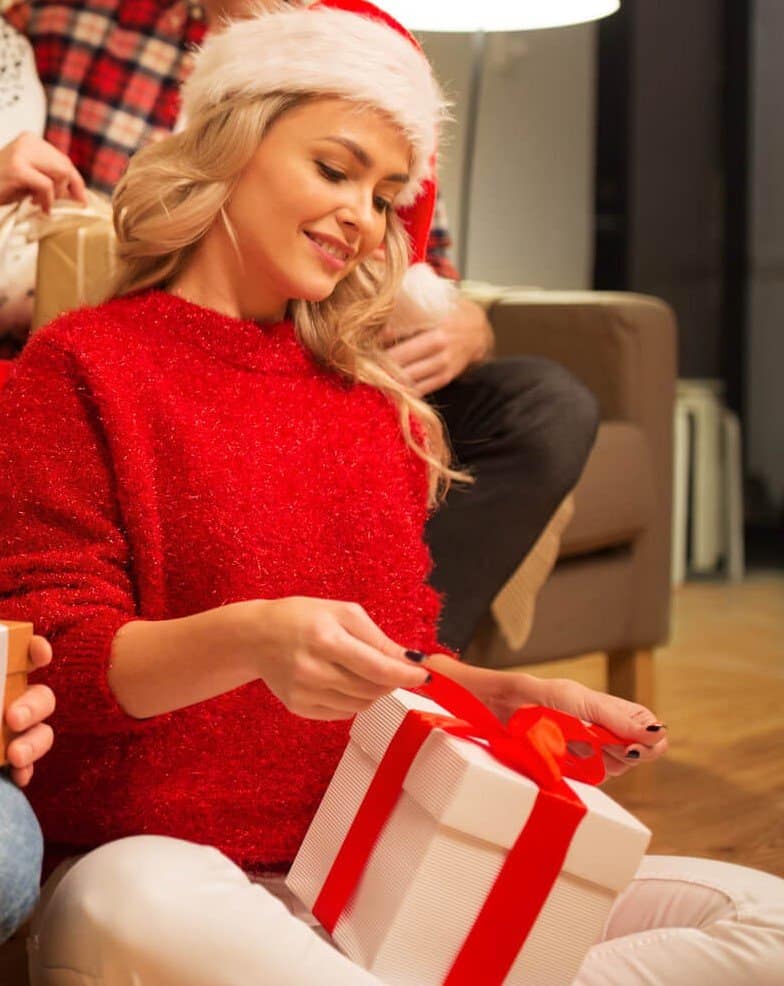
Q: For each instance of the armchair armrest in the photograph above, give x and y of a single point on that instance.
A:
(621, 346)
(615, 343)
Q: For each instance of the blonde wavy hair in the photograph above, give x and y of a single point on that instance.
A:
(173, 192)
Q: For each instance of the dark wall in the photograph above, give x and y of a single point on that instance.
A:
(765, 337)
(661, 131)
(675, 186)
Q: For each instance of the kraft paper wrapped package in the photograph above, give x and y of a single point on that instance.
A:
(14, 647)
(76, 265)
(476, 874)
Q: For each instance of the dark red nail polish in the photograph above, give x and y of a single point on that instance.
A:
(655, 727)
(415, 655)
(428, 679)
(633, 755)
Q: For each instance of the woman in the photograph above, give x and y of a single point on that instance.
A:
(225, 543)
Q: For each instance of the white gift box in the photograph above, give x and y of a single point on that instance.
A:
(441, 850)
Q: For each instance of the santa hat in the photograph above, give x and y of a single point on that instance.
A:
(352, 49)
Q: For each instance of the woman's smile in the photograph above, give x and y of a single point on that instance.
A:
(332, 252)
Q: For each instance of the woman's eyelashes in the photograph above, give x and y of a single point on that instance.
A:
(331, 174)
(380, 204)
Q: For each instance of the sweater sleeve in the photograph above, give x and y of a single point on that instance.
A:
(64, 558)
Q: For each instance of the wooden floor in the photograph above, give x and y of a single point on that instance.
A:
(720, 689)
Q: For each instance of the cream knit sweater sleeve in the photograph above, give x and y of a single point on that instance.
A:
(22, 108)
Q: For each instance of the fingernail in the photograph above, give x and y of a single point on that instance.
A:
(416, 655)
(655, 727)
(632, 754)
(428, 679)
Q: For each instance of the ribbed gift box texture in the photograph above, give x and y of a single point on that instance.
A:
(440, 851)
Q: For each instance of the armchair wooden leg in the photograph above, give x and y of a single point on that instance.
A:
(630, 675)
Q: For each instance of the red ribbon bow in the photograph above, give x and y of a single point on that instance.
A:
(535, 744)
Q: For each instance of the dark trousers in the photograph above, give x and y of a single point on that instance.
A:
(523, 426)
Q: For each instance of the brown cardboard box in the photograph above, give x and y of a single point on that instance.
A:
(14, 648)
(76, 267)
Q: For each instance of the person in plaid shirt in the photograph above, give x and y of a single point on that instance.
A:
(112, 69)
(112, 72)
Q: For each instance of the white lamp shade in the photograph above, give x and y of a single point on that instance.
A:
(495, 15)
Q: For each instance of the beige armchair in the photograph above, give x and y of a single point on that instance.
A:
(610, 543)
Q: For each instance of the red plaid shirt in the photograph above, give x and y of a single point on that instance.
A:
(112, 70)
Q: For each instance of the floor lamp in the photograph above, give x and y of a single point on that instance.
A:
(480, 17)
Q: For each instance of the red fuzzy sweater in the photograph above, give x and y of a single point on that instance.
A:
(158, 459)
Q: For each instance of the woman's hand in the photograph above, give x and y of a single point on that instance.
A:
(29, 165)
(645, 735)
(505, 691)
(322, 659)
(26, 717)
(329, 660)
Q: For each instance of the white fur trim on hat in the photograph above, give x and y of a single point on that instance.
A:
(323, 50)
(423, 301)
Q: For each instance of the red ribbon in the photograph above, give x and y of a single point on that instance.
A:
(533, 744)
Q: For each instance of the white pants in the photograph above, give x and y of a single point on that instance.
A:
(152, 911)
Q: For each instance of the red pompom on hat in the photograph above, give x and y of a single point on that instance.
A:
(354, 50)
